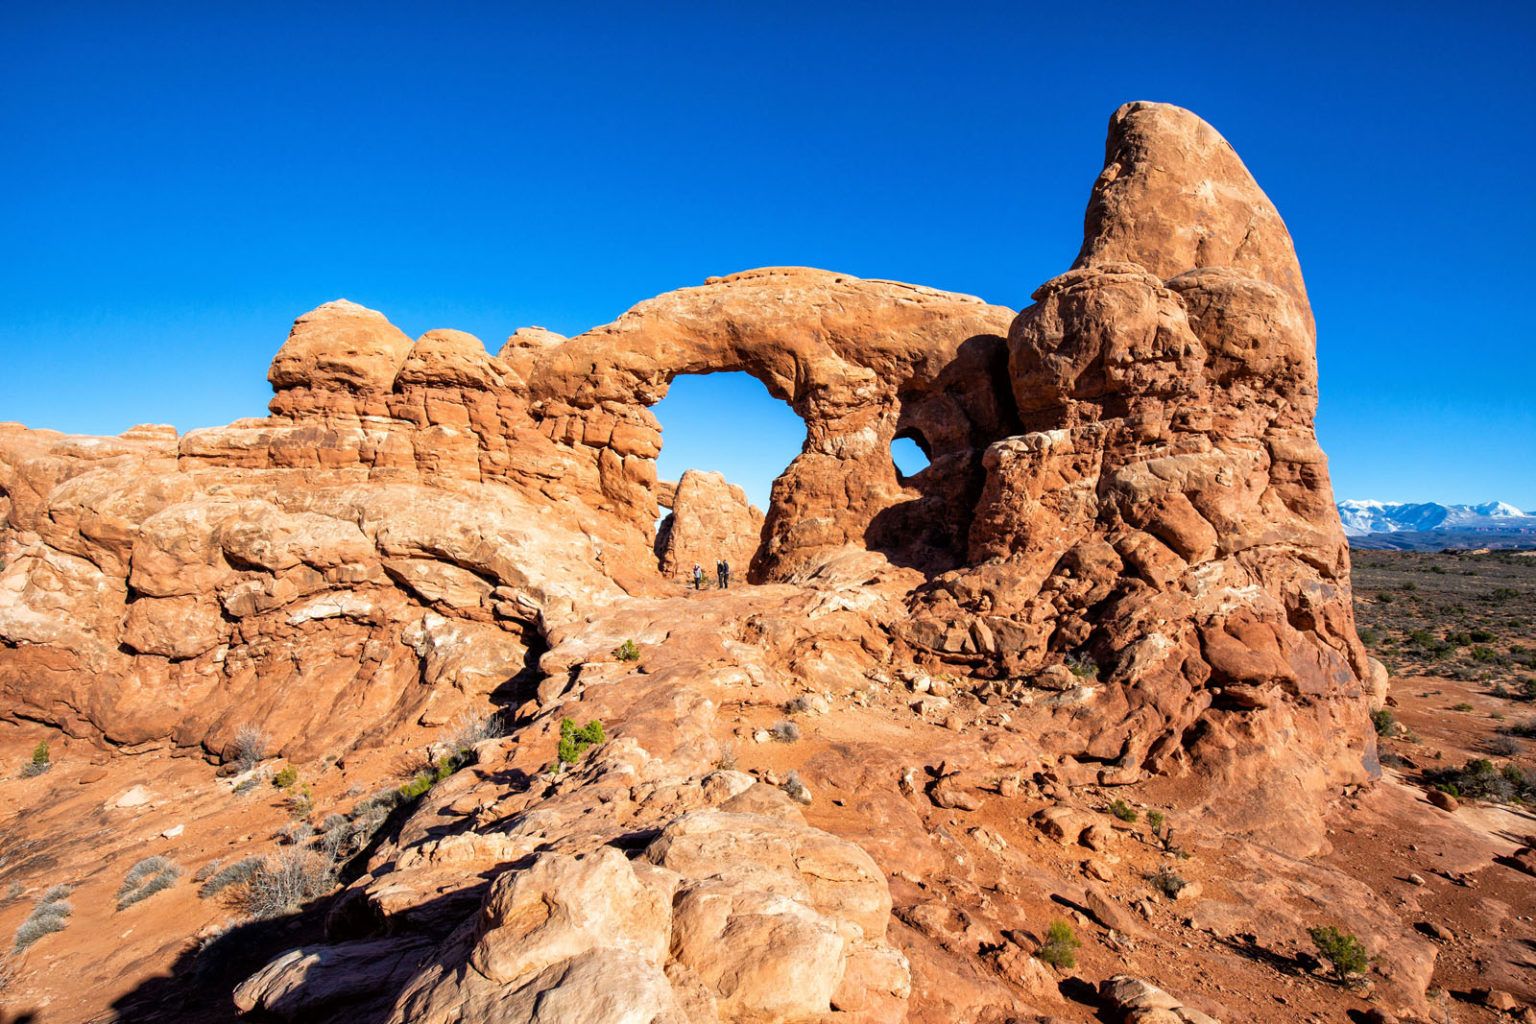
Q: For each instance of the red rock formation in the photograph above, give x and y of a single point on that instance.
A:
(1165, 517)
(710, 519)
(1126, 538)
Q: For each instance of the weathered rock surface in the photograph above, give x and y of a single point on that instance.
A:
(711, 519)
(736, 910)
(1160, 516)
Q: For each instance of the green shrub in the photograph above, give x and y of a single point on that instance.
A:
(1341, 949)
(1463, 706)
(1383, 720)
(286, 778)
(146, 878)
(418, 785)
(576, 741)
(301, 800)
(1123, 811)
(1480, 778)
(39, 763)
(431, 776)
(627, 651)
(1060, 946)
(1527, 729)
(1082, 667)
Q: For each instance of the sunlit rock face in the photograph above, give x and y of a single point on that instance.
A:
(1124, 476)
(710, 520)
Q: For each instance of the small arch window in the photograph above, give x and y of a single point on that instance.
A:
(909, 452)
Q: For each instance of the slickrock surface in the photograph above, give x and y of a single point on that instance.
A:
(857, 791)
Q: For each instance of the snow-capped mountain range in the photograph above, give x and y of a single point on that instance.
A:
(1364, 517)
(1430, 526)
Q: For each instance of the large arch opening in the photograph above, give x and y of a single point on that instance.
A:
(724, 424)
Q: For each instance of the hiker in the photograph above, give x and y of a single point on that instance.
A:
(725, 574)
(698, 576)
(720, 573)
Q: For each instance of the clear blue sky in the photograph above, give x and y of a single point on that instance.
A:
(180, 181)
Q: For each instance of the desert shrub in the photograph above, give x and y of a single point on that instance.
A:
(146, 878)
(49, 914)
(286, 778)
(1082, 667)
(237, 873)
(432, 775)
(284, 882)
(1480, 778)
(1504, 746)
(1341, 949)
(470, 729)
(1526, 729)
(203, 873)
(785, 731)
(1383, 720)
(626, 651)
(728, 760)
(419, 784)
(1463, 706)
(301, 800)
(244, 786)
(1481, 636)
(39, 762)
(1060, 946)
(799, 706)
(1169, 882)
(575, 740)
(295, 832)
(1484, 655)
(1123, 811)
(250, 747)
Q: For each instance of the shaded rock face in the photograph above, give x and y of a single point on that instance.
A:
(710, 519)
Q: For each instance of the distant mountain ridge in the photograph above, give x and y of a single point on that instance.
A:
(1429, 524)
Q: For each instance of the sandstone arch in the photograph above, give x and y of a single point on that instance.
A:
(857, 360)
